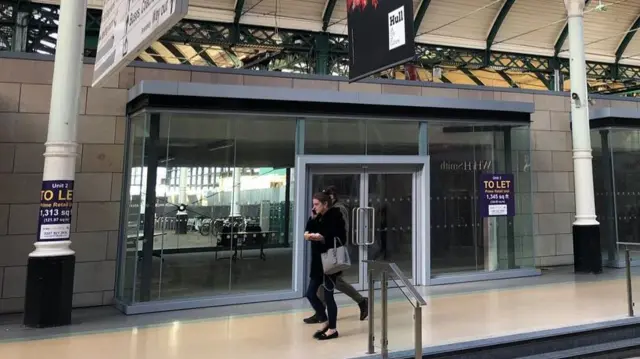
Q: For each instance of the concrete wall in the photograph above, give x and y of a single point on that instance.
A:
(25, 90)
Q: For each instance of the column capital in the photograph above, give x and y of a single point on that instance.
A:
(574, 7)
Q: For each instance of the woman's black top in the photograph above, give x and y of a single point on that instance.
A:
(330, 225)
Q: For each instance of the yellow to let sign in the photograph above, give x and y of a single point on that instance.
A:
(497, 184)
(60, 194)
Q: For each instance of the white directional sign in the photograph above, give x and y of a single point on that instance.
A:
(130, 26)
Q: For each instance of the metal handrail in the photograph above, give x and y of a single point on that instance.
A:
(386, 268)
(381, 265)
(627, 261)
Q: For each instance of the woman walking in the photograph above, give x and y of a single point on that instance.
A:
(324, 231)
(341, 284)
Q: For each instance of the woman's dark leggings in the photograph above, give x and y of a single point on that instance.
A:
(316, 303)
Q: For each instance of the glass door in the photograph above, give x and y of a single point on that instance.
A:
(391, 197)
(381, 208)
(349, 187)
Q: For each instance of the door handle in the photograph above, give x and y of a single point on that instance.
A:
(359, 227)
(361, 236)
(373, 226)
(354, 226)
(370, 237)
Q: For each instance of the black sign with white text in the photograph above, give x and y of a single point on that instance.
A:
(380, 35)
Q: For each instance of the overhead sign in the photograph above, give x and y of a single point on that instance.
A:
(130, 26)
(380, 35)
(497, 195)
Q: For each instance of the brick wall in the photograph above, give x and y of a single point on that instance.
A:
(25, 92)
(25, 89)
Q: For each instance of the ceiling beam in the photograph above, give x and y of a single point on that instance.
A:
(202, 52)
(497, 23)
(472, 76)
(626, 40)
(328, 12)
(623, 90)
(155, 55)
(176, 52)
(563, 35)
(508, 79)
(422, 11)
(238, 11)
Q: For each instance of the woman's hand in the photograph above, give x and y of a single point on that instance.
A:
(316, 237)
(307, 236)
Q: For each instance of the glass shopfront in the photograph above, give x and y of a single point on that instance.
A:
(461, 239)
(209, 206)
(214, 202)
(616, 172)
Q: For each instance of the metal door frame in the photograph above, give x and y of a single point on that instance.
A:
(349, 170)
(340, 164)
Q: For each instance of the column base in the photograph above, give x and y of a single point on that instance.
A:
(587, 256)
(49, 293)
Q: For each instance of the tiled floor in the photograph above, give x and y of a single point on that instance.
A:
(454, 314)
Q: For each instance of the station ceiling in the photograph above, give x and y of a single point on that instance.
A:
(528, 27)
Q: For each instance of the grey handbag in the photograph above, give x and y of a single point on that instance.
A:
(336, 259)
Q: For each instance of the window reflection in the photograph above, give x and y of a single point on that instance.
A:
(625, 155)
(461, 239)
(222, 206)
(133, 219)
(616, 171)
(360, 137)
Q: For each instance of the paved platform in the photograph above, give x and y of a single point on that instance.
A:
(456, 314)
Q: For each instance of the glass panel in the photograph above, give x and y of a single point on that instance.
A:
(187, 242)
(604, 195)
(461, 239)
(625, 152)
(360, 137)
(391, 196)
(223, 206)
(262, 198)
(458, 156)
(392, 138)
(327, 137)
(515, 234)
(348, 187)
(132, 226)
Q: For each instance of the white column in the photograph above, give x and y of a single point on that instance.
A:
(235, 193)
(182, 184)
(582, 164)
(51, 266)
(557, 80)
(587, 254)
(61, 147)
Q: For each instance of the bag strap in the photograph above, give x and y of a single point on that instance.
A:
(335, 246)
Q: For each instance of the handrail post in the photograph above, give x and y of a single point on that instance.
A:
(372, 337)
(627, 259)
(417, 325)
(384, 342)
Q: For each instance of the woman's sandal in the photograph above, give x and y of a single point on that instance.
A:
(324, 336)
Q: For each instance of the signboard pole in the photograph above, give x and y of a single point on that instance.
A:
(51, 266)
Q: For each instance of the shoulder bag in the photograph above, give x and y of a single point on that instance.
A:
(336, 259)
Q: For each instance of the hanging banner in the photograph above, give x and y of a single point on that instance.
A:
(497, 195)
(56, 202)
(380, 35)
(130, 26)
